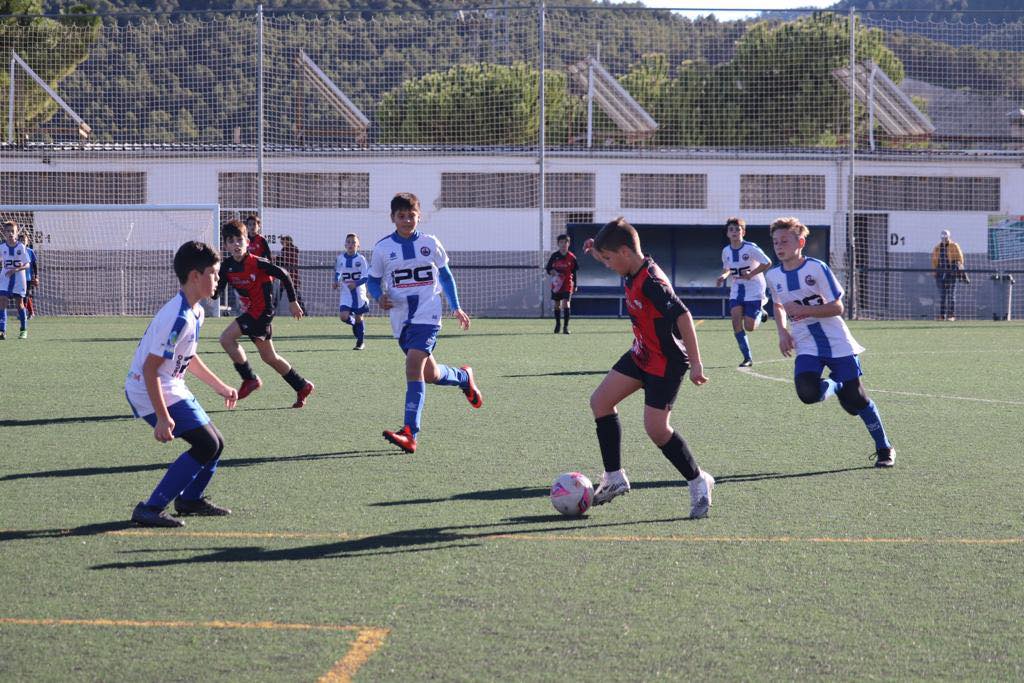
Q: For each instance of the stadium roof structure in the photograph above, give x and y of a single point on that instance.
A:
(614, 100)
(889, 105)
(359, 124)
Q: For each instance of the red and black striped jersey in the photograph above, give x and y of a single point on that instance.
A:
(252, 278)
(654, 308)
(565, 267)
(258, 247)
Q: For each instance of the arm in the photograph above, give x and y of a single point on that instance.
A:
(547, 268)
(222, 282)
(286, 280)
(757, 271)
(205, 375)
(785, 338)
(722, 277)
(164, 429)
(444, 275)
(687, 330)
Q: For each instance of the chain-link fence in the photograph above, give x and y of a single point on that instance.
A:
(511, 123)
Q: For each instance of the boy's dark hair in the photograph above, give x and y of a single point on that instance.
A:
(615, 234)
(405, 201)
(735, 220)
(194, 256)
(233, 228)
(353, 236)
(561, 237)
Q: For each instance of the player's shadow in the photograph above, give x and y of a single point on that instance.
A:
(571, 373)
(405, 541)
(85, 530)
(41, 421)
(523, 492)
(161, 466)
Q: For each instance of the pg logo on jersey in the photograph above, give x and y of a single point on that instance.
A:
(413, 277)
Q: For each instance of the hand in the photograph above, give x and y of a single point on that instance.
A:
(462, 317)
(796, 311)
(164, 430)
(786, 343)
(385, 302)
(296, 310)
(334, 286)
(697, 373)
(351, 285)
(720, 282)
(588, 245)
(230, 395)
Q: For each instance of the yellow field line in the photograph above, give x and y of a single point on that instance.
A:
(368, 639)
(586, 538)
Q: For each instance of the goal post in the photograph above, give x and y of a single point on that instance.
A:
(110, 259)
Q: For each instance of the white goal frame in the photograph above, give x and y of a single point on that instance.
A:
(213, 209)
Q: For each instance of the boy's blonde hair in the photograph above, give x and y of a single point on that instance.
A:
(791, 223)
(615, 234)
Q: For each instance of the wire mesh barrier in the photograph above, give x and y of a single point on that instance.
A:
(512, 123)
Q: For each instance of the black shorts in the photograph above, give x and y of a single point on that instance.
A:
(561, 296)
(659, 392)
(256, 328)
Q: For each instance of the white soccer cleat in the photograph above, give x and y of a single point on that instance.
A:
(612, 484)
(700, 495)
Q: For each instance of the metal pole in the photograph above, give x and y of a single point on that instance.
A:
(10, 108)
(851, 258)
(590, 103)
(259, 111)
(540, 153)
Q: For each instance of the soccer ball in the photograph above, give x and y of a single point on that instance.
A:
(572, 493)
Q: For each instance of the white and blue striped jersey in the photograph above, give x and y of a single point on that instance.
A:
(741, 261)
(351, 269)
(813, 284)
(173, 335)
(11, 258)
(408, 269)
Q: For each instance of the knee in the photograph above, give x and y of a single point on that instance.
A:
(808, 388)
(207, 445)
(852, 397)
(748, 324)
(599, 406)
(268, 355)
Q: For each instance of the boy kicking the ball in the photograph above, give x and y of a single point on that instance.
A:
(665, 346)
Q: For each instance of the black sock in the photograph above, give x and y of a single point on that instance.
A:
(245, 370)
(558, 318)
(609, 438)
(295, 380)
(678, 453)
(565, 317)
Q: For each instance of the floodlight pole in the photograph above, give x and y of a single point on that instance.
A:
(259, 112)
(540, 151)
(10, 105)
(851, 257)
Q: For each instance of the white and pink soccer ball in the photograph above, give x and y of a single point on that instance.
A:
(572, 494)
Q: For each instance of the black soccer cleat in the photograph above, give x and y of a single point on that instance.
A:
(885, 457)
(746, 363)
(144, 515)
(203, 507)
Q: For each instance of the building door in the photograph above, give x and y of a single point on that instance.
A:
(872, 277)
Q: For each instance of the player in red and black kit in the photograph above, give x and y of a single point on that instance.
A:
(252, 277)
(664, 348)
(562, 268)
(257, 243)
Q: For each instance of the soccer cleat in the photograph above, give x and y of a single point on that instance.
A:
(746, 363)
(143, 515)
(473, 395)
(249, 386)
(203, 507)
(610, 487)
(3, 335)
(764, 316)
(23, 334)
(565, 330)
(558, 328)
(700, 495)
(302, 395)
(359, 346)
(885, 457)
(403, 438)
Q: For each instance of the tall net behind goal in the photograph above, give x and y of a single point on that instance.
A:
(109, 260)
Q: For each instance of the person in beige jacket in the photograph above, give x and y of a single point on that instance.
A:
(948, 264)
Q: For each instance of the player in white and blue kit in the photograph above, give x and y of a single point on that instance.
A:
(14, 265)
(408, 273)
(808, 296)
(746, 263)
(156, 391)
(350, 274)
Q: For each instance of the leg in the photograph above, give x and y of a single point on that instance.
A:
(566, 310)
(855, 401)
(615, 387)
(359, 330)
(303, 387)
(557, 312)
(345, 314)
(3, 316)
(229, 342)
(22, 316)
(736, 313)
(951, 301)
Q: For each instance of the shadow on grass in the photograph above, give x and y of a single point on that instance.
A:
(521, 492)
(161, 466)
(411, 540)
(40, 421)
(573, 373)
(86, 530)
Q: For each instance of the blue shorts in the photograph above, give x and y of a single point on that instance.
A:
(422, 337)
(187, 415)
(840, 369)
(10, 294)
(751, 309)
(365, 308)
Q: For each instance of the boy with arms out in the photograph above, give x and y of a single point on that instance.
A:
(809, 298)
(562, 268)
(156, 391)
(350, 274)
(408, 272)
(664, 347)
(746, 263)
(14, 265)
(252, 278)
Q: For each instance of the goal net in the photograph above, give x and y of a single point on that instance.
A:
(111, 259)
